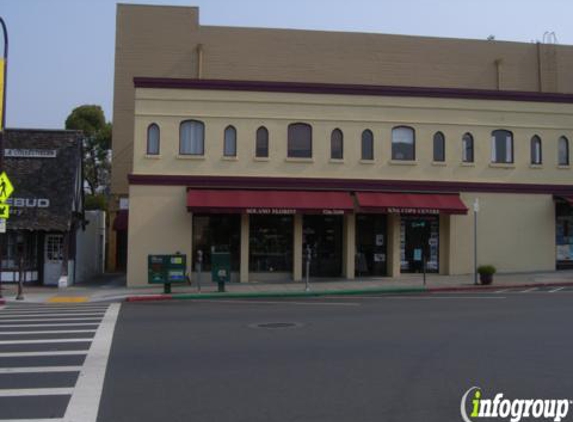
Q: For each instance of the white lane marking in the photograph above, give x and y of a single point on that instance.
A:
(40, 308)
(40, 369)
(45, 341)
(84, 403)
(449, 297)
(61, 324)
(36, 392)
(268, 302)
(50, 316)
(529, 290)
(556, 290)
(48, 353)
(25, 333)
(501, 291)
(50, 320)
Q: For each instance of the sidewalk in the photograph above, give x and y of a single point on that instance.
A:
(111, 287)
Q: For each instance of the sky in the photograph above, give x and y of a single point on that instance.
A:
(61, 52)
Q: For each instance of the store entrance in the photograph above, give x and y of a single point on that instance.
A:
(324, 236)
(419, 237)
(371, 243)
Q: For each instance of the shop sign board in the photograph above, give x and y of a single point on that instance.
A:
(415, 211)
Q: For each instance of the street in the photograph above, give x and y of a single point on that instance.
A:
(354, 358)
(359, 358)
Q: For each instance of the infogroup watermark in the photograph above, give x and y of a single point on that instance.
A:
(513, 410)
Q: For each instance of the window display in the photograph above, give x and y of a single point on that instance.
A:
(270, 243)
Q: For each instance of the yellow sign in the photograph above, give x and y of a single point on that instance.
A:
(2, 64)
(6, 187)
(4, 210)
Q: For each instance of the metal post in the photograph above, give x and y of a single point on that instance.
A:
(476, 210)
(3, 120)
(20, 295)
(308, 258)
(198, 267)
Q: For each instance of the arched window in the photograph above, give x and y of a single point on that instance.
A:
(536, 157)
(299, 140)
(153, 139)
(468, 148)
(501, 146)
(403, 143)
(367, 145)
(439, 147)
(230, 142)
(192, 137)
(563, 151)
(262, 146)
(336, 145)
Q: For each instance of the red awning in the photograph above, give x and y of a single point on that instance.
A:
(411, 203)
(268, 202)
(121, 220)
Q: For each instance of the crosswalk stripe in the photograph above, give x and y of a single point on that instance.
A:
(47, 353)
(40, 369)
(51, 340)
(36, 392)
(48, 311)
(51, 319)
(59, 324)
(26, 333)
(52, 315)
(32, 420)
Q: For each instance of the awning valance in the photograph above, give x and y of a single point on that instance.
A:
(269, 202)
(411, 203)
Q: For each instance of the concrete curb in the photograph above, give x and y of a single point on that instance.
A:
(321, 293)
(254, 295)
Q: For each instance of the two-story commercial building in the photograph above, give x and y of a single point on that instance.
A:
(373, 151)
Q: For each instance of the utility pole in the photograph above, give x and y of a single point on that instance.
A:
(476, 210)
(3, 84)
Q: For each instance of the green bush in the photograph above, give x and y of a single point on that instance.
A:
(486, 270)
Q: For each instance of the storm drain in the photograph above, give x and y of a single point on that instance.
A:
(276, 325)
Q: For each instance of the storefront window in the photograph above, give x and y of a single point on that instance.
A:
(270, 243)
(217, 230)
(419, 241)
(10, 254)
(323, 235)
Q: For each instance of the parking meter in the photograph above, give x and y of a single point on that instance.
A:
(198, 268)
(308, 257)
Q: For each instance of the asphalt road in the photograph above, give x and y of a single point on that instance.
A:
(403, 358)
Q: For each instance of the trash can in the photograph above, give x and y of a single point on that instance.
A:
(220, 265)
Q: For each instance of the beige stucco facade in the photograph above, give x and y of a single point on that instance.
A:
(517, 216)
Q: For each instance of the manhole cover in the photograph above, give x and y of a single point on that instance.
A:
(276, 325)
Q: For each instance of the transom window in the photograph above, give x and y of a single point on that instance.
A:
(367, 145)
(153, 139)
(336, 145)
(468, 148)
(300, 140)
(192, 137)
(403, 143)
(536, 157)
(501, 146)
(230, 142)
(563, 151)
(439, 147)
(262, 146)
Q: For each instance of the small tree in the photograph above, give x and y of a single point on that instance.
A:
(90, 119)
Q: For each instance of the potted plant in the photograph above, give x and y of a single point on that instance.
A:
(486, 273)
